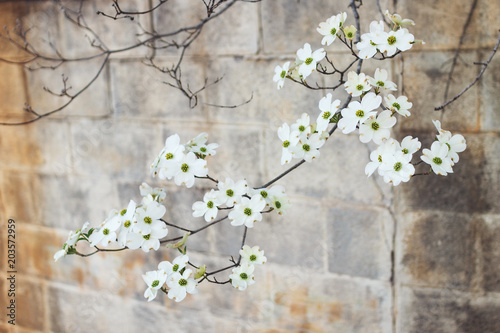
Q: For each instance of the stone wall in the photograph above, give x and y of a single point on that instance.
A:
(351, 255)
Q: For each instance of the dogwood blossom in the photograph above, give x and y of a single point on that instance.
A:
(328, 109)
(331, 27)
(392, 41)
(181, 284)
(456, 143)
(208, 207)
(149, 241)
(309, 59)
(387, 147)
(367, 46)
(397, 20)
(155, 280)
(152, 194)
(289, 140)
(350, 32)
(252, 255)
(399, 105)
(107, 231)
(410, 145)
(437, 158)
(242, 276)
(396, 168)
(232, 192)
(377, 128)
(247, 211)
(188, 168)
(303, 126)
(380, 81)
(71, 241)
(175, 266)
(357, 113)
(147, 215)
(308, 149)
(356, 84)
(280, 74)
(166, 162)
(128, 218)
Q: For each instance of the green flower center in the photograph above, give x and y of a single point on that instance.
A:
(360, 113)
(127, 224)
(405, 151)
(203, 149)
(183, 282)
(306, 147)
(123, 212)
(372, 43)
(155, 283)
(169, 156)
(148, 220)
(437, 160)
(359, 87)
(398, 166)
(380, 83)
(326, 115)
(243, 276)
(147, 237)
(308, 61)
(391, 40)
(380, 158)
(302, 128)
(229, 193)
(247, 211)
(210, 204)
(277, 204)
(375, 126)
(333, 31)
(184, 167)
(253, 257)
(263, 193)
(105, 231)
(283, 74)
(396, 105)
(175, 267)
(286, 143)
(350, 35)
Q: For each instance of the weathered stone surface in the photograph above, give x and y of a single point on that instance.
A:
(300, 19)
(359, 242)
(440, 24)
(425, 79)
(489, 257)
(436, 249)
(473, 187)
(30, 302)
(13, 94)
(337, 174)
(151, 97)
(489, 87)
(447, 311)
(113, 147)
(20, 205)
(234, 32)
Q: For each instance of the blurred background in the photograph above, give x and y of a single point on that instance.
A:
(353, 254)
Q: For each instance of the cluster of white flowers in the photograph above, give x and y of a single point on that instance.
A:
(183, 162)
(179, 279)
(242, 275)
(246, 204)
(392, 159)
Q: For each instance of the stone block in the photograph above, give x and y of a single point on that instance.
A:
(360, 242)
(113, 34)
(294, 239)
(30, 302)
(489, 100)
(13, 94)
(436, 249)
(489, 258)
(19, 200)
(472, 188)
(339, 169)
(434, 19)
(447, 311)
(93, 102)
(300, 19)
(245, 79)
(140, 91)
(236, 31)
(118, 148)
(425, 79)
